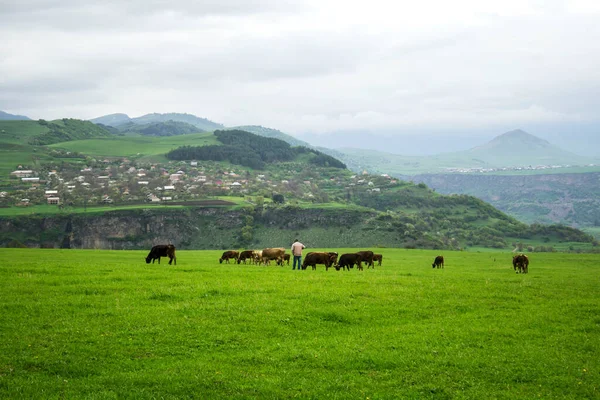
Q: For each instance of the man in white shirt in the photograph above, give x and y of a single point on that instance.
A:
(297, 248)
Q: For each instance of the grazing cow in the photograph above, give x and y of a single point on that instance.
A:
(275, 253)
(162, 250)
(521, 263)
(366, 256)
(244, 255)
(314, 258)
(228, 255)
(286, 259)
(348, 260)
(378, 258)
(438, 262)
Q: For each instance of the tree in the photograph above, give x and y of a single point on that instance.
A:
(278, 198)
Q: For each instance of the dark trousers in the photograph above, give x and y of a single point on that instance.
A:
(297, 259)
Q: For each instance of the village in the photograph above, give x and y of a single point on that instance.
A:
(125, 181)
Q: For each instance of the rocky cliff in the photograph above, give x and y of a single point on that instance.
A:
(192, 228)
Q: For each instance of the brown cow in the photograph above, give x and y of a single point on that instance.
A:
(244, 255)
(366, 256)
(314, 258)
(162, 250)
(275, 253)
(378, 258)
(348, 260)
(521, 263)
(438, 262)
(286, 259)
(228, 255)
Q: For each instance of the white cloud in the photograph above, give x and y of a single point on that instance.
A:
(305, 66)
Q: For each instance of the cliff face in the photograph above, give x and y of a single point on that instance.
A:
(193, 228)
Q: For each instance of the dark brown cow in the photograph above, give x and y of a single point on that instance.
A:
(438, 262)
(228, 255)
(162, 250)
(521, 263)
(275, 253)
(367, 256)
(348, 260)
(244, 255)
(378, 258)
(315, 258)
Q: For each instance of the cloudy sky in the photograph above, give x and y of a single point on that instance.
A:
(307, 67)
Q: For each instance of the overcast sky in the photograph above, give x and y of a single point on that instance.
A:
(313, 66)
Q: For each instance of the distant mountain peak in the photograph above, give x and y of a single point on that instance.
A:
(515, 139)
(7, 116)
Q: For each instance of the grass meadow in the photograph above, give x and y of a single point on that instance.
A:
(91, 324)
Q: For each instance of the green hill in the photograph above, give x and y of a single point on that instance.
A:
(271, 133)
(116, 120)
(254, 151)
(167, 128)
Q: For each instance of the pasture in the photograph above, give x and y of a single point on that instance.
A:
(103, 324)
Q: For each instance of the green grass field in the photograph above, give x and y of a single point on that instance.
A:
(131, 146)
(103, 324)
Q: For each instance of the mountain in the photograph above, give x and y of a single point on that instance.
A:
(514, 149)
(167, 128)
(7, 116)
(112, 119)
(519, 148)
(121, 119)
(271, 133)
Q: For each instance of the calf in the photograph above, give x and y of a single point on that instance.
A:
(378, 258)
(438, 262)
(162, 250)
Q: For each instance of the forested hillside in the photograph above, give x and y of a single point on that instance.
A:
(244, 148)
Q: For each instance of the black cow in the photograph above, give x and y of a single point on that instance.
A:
(162, 250)
(348, 260)
(521, 263)
(438, 262)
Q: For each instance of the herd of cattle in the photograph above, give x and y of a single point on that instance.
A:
(328, 259)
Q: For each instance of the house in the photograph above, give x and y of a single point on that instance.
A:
(30, 179)
(50, 193)
(169, 187)
(53, 200)
(25, 173)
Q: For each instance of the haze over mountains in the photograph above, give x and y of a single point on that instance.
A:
(516, 148)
